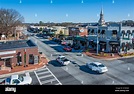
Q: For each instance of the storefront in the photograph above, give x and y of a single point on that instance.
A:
(114, 46)
(18, 53)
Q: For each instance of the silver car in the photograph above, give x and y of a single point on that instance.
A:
(97, 66)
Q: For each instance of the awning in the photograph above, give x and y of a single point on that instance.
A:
(7, 57)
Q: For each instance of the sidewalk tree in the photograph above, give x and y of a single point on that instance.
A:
(9, 19)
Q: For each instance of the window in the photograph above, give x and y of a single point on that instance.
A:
(123, 33)
(92, 32)
(16, 81)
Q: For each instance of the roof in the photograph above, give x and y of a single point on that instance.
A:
(7, 45)
(97, 63)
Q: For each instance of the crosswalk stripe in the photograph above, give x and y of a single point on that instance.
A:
(42, 72)
(45, 76)
(41, 69)
(47, 81)
(27, 74)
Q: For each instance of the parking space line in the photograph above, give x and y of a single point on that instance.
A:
(41, 69)
(45, 76)
(38, 78)
(43, 72)
(54, 76)
(27, 74)
(47, 81)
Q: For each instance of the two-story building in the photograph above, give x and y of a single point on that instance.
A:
(111, 37)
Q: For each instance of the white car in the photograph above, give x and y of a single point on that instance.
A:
(18, 80)
(97, 66)
(63, 60)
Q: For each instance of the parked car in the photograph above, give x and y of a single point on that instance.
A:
(62, 60)
(63, 43)
(97, 66)
(17, 80)
(67, 48)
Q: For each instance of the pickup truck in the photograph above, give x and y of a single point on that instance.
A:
(62, 60)
(16, 80)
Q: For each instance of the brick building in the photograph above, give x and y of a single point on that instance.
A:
(21, 52)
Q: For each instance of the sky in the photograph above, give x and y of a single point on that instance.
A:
(83, 11)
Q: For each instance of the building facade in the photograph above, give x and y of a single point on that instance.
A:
(111, 37)
(14, 53)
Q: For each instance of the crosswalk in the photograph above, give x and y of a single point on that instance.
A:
(46, 77)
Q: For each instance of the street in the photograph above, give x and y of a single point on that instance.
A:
(120, 72)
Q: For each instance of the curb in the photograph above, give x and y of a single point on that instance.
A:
(19, 72)
(24, 71)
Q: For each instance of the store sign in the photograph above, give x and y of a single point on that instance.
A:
(7, 52)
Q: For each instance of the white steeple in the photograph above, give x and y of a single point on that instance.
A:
(101, 21)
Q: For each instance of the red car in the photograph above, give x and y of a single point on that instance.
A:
(67, 48)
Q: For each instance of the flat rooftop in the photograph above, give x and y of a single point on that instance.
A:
(7, 45)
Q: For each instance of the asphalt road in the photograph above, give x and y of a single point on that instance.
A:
(121, 72)
(41, 76)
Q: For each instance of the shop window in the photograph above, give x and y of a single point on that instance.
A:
(92, 32)
(31, 59)
(123, 33)
(123, 46)
(19, 59)
(114, 33)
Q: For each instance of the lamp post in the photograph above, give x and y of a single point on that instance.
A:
(97, 40)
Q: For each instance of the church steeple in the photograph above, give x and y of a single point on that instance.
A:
(101, 21)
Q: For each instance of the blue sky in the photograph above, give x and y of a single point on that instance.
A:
(71, 10)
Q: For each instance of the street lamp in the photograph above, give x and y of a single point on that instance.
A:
(97, 40)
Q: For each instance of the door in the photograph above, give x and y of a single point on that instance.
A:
(8, 62)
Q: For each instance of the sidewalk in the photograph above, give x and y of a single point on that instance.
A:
(43, 62)
(106, 56)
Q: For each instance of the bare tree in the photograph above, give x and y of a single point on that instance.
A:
(9, 19)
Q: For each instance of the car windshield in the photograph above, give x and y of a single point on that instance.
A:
(101, 65)
(66, 60)
(62, 58)
(21, 78)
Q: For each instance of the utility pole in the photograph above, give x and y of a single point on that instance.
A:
(97, 40)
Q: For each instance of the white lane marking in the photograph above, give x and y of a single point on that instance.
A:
(43, 73)
(81, 82)
(27, 74)
(54, 76)
(47, 81)
(41, 69)
(45, 76)
(128, 68)
(38, 78)
(113, 82)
